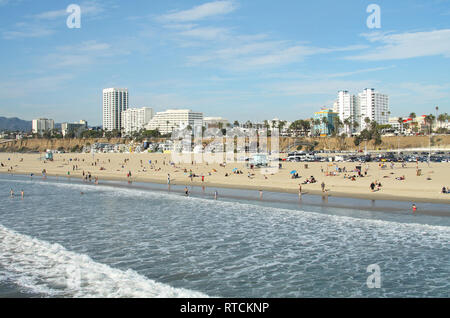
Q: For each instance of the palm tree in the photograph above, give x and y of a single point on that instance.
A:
(325, 122)
(442, 118)
(429, 119)
(400, 121)
(348, 123)
(337, 124)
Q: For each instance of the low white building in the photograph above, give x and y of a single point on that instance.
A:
(168, 121)
(76, 128)
(215, 122)
(135, 119)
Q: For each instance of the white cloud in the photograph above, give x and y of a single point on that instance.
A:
(407, 45)
(85, 53)
(206, 33)
(297, 88)
(25, 30)
(200, 12)
(258, 54)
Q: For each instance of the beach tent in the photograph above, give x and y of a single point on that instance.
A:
(49, 156)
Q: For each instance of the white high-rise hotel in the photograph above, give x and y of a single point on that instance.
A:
(368, 104)
(115, 101)
(374, 106)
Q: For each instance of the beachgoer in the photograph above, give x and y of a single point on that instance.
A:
(260, 194)
(323, 186)
(22, 194)
(215, 195)
(11, 192)
(372, 186)
(414, 208)
(186, 191)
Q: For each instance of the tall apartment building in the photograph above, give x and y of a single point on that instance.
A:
(115, 101)
(135, 119)
(368, 104)
(347, 107)
(172, 119)
(41, 125)
(373, 105)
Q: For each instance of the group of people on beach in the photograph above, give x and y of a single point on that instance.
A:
(376, 185)
(11, 193)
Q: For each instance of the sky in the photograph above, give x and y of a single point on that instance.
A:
(238, 59)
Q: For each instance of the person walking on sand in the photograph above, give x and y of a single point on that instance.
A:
(323, 186)
(168, 179)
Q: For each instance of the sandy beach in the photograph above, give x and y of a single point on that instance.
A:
(424, 188)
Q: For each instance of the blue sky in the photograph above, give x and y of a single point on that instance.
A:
(239, 59)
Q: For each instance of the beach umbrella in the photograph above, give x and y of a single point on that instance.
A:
(293, 171)
(234, 169)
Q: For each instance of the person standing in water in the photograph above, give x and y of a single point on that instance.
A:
(186, 191)
(11, 192)
(215, 195)
(414, 208)
(22, 194)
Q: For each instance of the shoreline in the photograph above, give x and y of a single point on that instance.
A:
(423, 187)
(369, 196)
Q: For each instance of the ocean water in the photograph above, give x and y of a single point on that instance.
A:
(67, 238)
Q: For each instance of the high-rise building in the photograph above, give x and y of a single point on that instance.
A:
(373, 105)
(115, 101)
(41, 125)
(135, 119)
(347, 107)
(169, 120)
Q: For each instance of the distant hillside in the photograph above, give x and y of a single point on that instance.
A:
(14, 124)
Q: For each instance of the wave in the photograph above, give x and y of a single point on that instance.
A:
(46, 268)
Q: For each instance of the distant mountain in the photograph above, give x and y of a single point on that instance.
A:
(14, 124)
